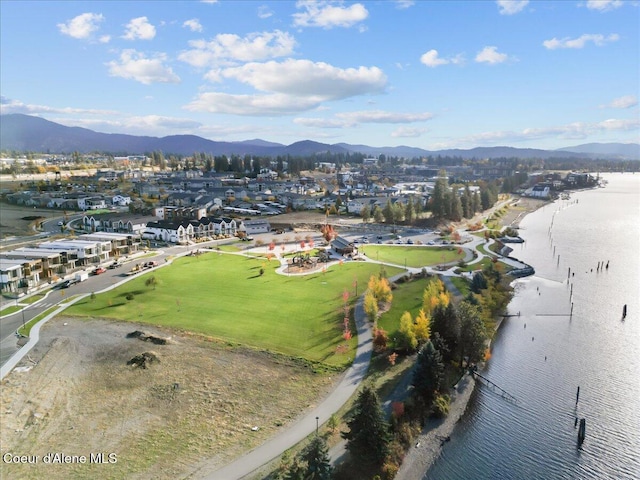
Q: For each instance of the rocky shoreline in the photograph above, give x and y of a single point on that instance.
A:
(435, 433)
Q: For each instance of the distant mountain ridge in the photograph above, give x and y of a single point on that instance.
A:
(28, 133)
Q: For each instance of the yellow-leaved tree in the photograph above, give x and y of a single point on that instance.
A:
(371, 306)
(406, 337)
(380, 288)
(422, 327)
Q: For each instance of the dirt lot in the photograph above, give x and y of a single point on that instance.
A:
(16, 220)
(184, 416)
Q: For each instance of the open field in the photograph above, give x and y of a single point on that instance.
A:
(414, 256)
(224, 296)
(188, 413)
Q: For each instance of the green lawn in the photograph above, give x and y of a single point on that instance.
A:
(10, 309)
(412, 256)
(406, 298)
(224, 296)
(461, 284)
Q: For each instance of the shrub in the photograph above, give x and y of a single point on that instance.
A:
(129, 296)
(441, 406)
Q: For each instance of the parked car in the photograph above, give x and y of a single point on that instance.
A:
(410, 241)
(99, 270)
(67, 283)
(114, 265)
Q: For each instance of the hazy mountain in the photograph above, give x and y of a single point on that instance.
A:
(622, 150)
(27, 133)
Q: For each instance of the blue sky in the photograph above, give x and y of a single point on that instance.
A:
(429, 74)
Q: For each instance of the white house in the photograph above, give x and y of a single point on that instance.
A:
(121, 200)
(172, 232)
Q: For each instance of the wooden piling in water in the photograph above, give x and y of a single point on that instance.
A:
(582, 431)
(578, 395)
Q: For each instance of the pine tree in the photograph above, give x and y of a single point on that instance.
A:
(429, 373)
(473, 335)
(368, 436)
(444, 320)
(316, 457)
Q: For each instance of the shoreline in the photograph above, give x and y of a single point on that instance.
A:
(429, 443)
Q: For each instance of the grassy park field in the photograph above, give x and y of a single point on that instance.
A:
(225, 297)
(413, 256)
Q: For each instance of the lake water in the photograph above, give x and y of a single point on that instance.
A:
(542, 359)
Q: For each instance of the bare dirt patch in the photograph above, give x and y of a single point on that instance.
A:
(184, 415)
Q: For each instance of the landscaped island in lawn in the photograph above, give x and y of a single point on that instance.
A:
(225, 296)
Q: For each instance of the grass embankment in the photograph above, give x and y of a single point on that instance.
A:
(224, 296)
(9, 310)
(26, 329)
(413, 256)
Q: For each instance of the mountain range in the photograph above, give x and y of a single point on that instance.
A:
(20, 132)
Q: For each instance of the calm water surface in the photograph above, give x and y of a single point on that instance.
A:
(542, 356)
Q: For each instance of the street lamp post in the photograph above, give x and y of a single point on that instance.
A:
(317, 425)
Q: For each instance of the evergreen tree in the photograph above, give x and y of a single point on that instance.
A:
(467, 203)
(473, 335)
(429, 373)
(368, 436)
(445, 321)
(388, 212)
(478, 282)
(439, 206)
(455, 213)
(476, 203)
(316, 458)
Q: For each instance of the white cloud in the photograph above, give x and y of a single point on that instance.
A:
(134, 65)
(209, 1)
(328, 14)
(603, 5)
(404, 4)
(264, 11)
(491, 55)
(576, 130)
(321, 122)
(259, 105)
(105, 39)
(139, 29)
(227, 48)
(307, 78)
(408, 132)
(352, 119)
(379, 116)
(82, 26)
(627, 101)
(291, 86)
(597, 39)
(431, 59)
(511, 7)
(8, 105)
(193, 24)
